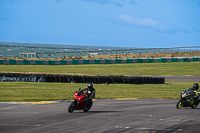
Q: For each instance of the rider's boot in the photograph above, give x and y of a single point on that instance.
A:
(86, 103)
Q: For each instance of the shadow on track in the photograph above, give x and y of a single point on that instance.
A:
(93, 112)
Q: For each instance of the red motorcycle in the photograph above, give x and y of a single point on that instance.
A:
(79, 102)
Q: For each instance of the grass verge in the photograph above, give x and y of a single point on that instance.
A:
(170, 68)
(29, 91)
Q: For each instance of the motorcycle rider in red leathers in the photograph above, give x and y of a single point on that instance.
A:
(90, 92)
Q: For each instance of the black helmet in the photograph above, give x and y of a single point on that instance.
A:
(90, 85)
(195, 86)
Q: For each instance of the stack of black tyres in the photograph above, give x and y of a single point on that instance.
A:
(111, 79)
(105, 79)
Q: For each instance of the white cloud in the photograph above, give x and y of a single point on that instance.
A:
(146, 22)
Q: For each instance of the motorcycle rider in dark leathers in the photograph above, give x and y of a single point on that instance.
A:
(196, 91)
(90, 92)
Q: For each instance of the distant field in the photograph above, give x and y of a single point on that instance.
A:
(24, 91)
(170, 68)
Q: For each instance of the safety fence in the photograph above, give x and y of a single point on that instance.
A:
(110, 79)
(96, 61)
(99, 53)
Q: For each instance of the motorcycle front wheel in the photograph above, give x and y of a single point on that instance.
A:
(179, 104)
(72, 106)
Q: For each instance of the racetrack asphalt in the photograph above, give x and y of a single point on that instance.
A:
(182, 78)
(106, 116)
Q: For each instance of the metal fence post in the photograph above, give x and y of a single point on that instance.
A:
(123, 51)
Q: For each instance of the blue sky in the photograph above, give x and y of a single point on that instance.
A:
(119, 23)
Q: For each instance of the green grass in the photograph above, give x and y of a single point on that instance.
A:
(27, 91)
(170, 68)
(30, 91)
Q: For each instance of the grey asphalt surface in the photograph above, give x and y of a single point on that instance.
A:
(182, 78)
(106, 116)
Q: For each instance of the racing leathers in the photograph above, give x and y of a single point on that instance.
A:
(196, 94)
(91, 94)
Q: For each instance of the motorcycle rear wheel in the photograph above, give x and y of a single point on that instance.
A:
(195, 105)
(71, 107)
(179, 104)
(89, 107)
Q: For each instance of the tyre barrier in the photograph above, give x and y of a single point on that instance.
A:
(111, 79)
